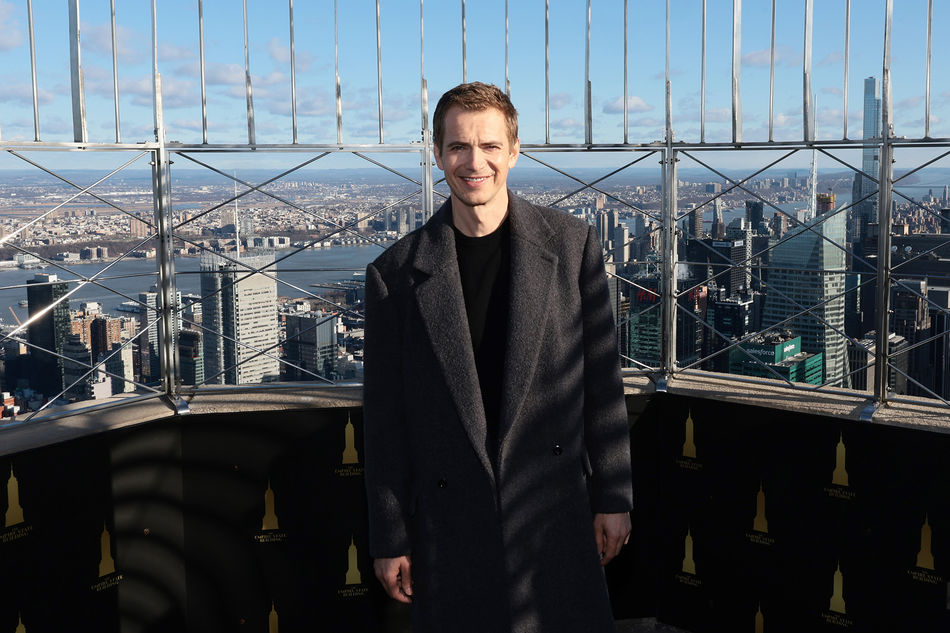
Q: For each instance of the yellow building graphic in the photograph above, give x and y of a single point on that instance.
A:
(840, 476)
(269, 521)
(689, 446)
(760, 523)
(106, 562)
(837, 593)
(353, 570)
(689, 565)
(925, 557)
(272, 620)
(350, 455)
(14, 513)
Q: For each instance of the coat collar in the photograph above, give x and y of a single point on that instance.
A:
(442, 307)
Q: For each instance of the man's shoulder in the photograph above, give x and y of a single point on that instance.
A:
(562, 223)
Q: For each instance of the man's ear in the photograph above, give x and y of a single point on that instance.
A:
(437, 151)
(515, 152)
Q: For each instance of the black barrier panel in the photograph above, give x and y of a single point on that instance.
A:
(58, 540)
(776, 521)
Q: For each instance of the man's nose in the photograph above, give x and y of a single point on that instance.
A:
(476, 158)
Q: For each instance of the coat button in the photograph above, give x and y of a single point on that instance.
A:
(443, 483)
(557, 450)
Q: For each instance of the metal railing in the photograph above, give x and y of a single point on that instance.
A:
(167, 231)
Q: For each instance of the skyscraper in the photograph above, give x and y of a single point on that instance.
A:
(865, 211)
(808, 271)
(241, 309)
(310, 347)
(48, 332)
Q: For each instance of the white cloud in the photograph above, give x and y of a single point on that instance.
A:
(559, 100)
(23, 94)
(9, 27)
(97, 38)
(280, 54)
(909, 102)
(634, 104)
(647, 122)
(832, 90)
(567, 125)
(784, 56)
(830, 59)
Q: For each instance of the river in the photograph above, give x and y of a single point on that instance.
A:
(131, 276)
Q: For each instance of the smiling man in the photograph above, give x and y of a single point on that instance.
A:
(497, 446)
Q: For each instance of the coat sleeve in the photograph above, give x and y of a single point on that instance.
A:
(386, 449)
(606, 432)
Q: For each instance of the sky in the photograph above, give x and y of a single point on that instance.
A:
(440, 54)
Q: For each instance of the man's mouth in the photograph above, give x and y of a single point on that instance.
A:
(475, 179)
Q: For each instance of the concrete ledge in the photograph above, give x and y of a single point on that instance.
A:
(920, 413)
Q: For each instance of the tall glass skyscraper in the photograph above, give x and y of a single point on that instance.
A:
(810, 271)
(866, 211)
(239, 306)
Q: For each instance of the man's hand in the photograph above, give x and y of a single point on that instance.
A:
(611, 532)
(395, 576)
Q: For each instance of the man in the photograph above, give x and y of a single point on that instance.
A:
(497, 446)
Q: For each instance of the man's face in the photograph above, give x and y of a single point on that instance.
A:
(476, 156)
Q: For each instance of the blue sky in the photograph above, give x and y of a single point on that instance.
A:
(314, 26)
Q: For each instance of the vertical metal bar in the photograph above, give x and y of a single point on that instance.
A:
(772, 78)
(588, 116)
(930, 30)
(626, 127)
(702, 85)
(75, 67)
(336, 67)
(165, 300)
(201, 64)
(157, 115)
(847, 61)
(667, 270)
(115, 73)
(464, 56)
(247, 84)
(881, 369)
(547, 71)
(379, 72)
(36, 103)
(807, 120)
(507, 51)
(293, 69)
(667, 86)
(736, 70)
(426, 154)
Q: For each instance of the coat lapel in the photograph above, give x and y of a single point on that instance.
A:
(442, 307)
(533, 268)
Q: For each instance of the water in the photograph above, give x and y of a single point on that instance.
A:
(132, 276)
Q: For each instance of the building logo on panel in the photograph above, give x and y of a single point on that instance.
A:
(14, 520)
(352, 580)
(350, 463)
(840, 485)
(688, 460)
(760, 523)
(925, 570)
(270, 525)
(687, 574)
(272, 626)
(837, 613)
(108, 577)
(20, 627)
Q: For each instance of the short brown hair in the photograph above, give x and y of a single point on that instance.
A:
(474, 96)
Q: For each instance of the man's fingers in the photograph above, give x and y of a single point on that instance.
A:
(405, 577)
(393, 574)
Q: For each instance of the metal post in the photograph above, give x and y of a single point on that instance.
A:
(884, 220)
(807, 121)
(736, 70)
(115, 75)
(251, 136)
(36, 107)
(75, 68)
(201, 65)
(668, 267)
(293, 70)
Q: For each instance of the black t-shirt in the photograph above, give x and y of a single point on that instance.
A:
(484, 266)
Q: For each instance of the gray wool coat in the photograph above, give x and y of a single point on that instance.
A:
(510, 546)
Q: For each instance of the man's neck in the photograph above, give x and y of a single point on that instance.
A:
(480, 220)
